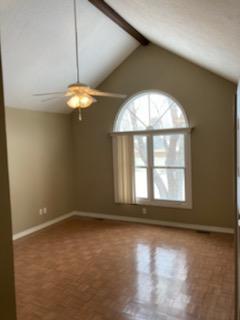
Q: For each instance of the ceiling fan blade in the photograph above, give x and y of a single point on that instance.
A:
(48, 94)
(52, 98)
(94, 92)
(68, 94)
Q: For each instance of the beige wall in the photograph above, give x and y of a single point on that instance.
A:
(7, 296)
(45, 168)
(208, 101)
(40, 165)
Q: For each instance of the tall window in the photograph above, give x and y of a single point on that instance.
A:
(155, 138)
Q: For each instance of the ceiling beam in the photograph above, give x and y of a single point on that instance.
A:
(120, 21)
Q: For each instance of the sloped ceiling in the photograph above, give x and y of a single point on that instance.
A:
(206, 32)
(37, 40)
(38, 49)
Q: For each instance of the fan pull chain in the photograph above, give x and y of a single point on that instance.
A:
(79, 114)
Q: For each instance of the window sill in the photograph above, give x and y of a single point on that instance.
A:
(165, 204)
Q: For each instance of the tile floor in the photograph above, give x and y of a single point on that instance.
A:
(101, 270)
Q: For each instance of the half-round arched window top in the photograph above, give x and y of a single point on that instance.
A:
(151, 110)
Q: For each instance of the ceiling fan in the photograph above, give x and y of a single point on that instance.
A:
(80, 96)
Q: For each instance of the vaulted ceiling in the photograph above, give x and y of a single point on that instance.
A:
(206, 32)
(38, 49)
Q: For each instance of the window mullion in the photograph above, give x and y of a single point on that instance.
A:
(150, 167)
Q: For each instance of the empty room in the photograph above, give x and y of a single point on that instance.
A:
(119, 137)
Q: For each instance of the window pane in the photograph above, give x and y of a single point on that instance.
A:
(140, 150)
(169, 150)
(169, 184)
(130, 122)
(173, 117)
(140, 109)
(149, 111)
(141, 185)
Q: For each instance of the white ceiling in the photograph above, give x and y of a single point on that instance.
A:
(38, 49)
(206, 32)
(37, 40)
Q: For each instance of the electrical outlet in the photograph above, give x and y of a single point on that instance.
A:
(44, 210)
(41, 212)
(144, 210)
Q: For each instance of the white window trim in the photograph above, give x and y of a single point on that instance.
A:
(154, 132)
(139, 94)
(187, 204)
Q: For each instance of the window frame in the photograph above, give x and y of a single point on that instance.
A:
(126, 103)
(187, 204)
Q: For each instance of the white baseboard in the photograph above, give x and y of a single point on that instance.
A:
(121, 218)
(42, 226)
(155, 222)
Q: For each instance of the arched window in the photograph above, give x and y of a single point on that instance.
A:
(150, 111)
(152, 151)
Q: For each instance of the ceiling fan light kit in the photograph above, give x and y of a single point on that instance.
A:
(81, 96)
(80, 101)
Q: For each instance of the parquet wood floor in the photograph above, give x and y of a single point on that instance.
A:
(101, 270)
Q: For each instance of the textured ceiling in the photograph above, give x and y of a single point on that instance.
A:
(38, 49)
(206, 32)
